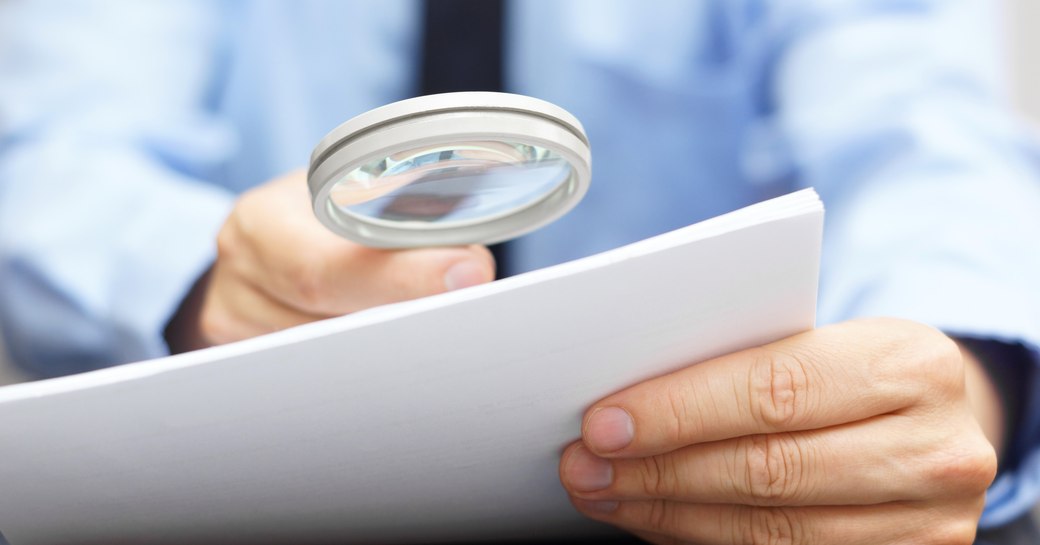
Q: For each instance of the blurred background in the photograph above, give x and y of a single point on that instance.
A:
(1023, 18)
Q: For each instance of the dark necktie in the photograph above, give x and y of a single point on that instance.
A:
(462, 50)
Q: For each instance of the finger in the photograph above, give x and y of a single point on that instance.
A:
(826, 377)
(884, 459)
(744, 525)
(304, 265)
(234, 309)
(366, 278)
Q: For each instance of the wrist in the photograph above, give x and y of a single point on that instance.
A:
(985, 399)
(183, 333)
(996, 374)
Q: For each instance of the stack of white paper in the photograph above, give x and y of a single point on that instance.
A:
(440, 419)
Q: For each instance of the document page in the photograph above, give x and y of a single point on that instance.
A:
(436, 420)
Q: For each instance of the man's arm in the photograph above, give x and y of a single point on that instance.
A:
(107, 207)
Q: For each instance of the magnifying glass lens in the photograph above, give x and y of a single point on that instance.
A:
(464, 182)
(449, 169)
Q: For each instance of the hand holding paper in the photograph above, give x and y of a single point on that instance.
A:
(856, 433)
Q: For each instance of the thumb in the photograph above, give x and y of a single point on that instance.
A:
(378, 277)
(469, 272)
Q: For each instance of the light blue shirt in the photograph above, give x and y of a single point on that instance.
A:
(127, 129)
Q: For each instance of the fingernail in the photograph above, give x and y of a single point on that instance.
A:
(586, 472)
(589, 506)
(609, 429)
(464, 274)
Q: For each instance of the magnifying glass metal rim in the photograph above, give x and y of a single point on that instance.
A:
(440, 120)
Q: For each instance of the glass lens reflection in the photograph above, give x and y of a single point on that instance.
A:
(457, 183)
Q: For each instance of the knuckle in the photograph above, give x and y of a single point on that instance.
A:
(946, 349)
(217, 327)
(779, 389)
(945, 364)
(921, 354)
(968, 468)
(659, 477)
(245, 211)
(772, 526)
(984, 466)
(960, 531)
(228, 239)
(775, 469)
(682, 418)
(661, 517)
(306, 282)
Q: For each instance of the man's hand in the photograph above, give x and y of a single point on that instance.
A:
(859, 433)
(277, 267)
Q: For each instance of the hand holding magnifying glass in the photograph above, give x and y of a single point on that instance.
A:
(435, 177)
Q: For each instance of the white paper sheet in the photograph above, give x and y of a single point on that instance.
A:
(438, 420)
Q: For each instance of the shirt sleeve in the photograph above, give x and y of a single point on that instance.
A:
(108, 210)
(896, 113)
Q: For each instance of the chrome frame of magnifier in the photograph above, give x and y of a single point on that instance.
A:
(441, 120)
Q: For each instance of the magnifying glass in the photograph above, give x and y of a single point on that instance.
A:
(449, 169)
